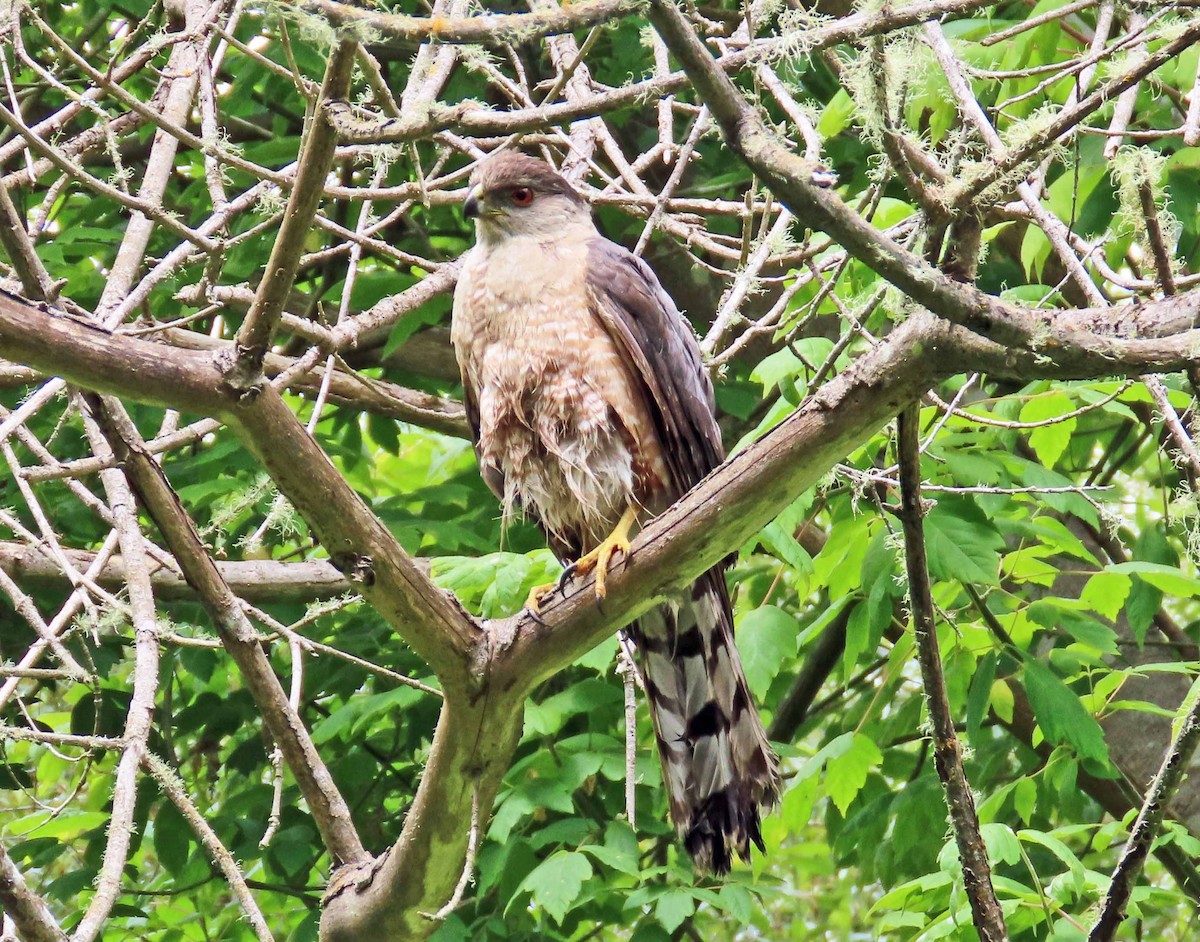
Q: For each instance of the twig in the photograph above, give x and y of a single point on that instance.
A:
(141, 706)
(1034, 21)
(947, 751)
(1186, 736)
(1163, 262)
(168, 780)
(316, 156)
(629, 680)
(1123, 110)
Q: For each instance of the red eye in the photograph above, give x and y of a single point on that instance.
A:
(521, 196)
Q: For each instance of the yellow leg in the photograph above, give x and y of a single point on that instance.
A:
(599, 558)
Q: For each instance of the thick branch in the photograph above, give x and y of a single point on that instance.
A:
(357, 542)
(471, 751)
(90, 356)
(725, 510)
(731, 505)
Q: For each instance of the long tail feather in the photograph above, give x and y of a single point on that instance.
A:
(717, 764)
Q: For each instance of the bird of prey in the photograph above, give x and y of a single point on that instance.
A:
(592, 411)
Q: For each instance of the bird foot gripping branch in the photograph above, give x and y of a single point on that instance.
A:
(598, 560)
(602, 556)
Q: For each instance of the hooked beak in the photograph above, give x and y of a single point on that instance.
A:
(472, 208)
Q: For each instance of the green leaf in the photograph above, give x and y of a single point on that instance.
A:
(1106, 592)
(172, 838)
(1062, 717)
(1144, 599)
(846, 773)
(556, 883)
(673, 907)
(1062, 852)
(962, 543)
(1049, 441)
(1168, 579)
(1025, 798)
(980, 693)
(1002, 843)
(777, 539)
(866, 625)
(1055, 615)
(1186, 708)
(737, 902)
(766, 639)
(619, 850)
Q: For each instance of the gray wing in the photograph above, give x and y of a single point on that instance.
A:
(662, 350)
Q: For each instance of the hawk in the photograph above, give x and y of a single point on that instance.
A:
(591, 411)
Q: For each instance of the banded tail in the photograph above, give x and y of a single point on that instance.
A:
(718, 767)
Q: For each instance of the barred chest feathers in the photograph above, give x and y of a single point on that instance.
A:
(545, 374)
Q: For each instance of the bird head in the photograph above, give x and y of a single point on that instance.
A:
(512, 194)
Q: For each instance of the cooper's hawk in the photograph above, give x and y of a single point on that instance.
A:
(591, 408)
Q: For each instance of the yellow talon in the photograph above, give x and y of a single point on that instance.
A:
(537, 594)
(599, 558)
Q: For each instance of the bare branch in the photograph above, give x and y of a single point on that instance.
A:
(947, 751)
(316, 156)
(329, 809)
(28, 910)
(173, 788)
(488, 29)
(141, 706)
(253, 580)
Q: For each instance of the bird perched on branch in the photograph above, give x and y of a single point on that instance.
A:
(592, 411)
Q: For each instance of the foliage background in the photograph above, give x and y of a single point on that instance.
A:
(1062, 542)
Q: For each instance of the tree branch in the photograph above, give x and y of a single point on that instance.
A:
(267, 580)
(316, 157)
(731, 505)
(139, 719)
(1029, 334)
(430, 620)
(947, 751)
(329, 809)
(490, 29)
(1184, 740)
(28, 910)
(472, 749)
(376, 396)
